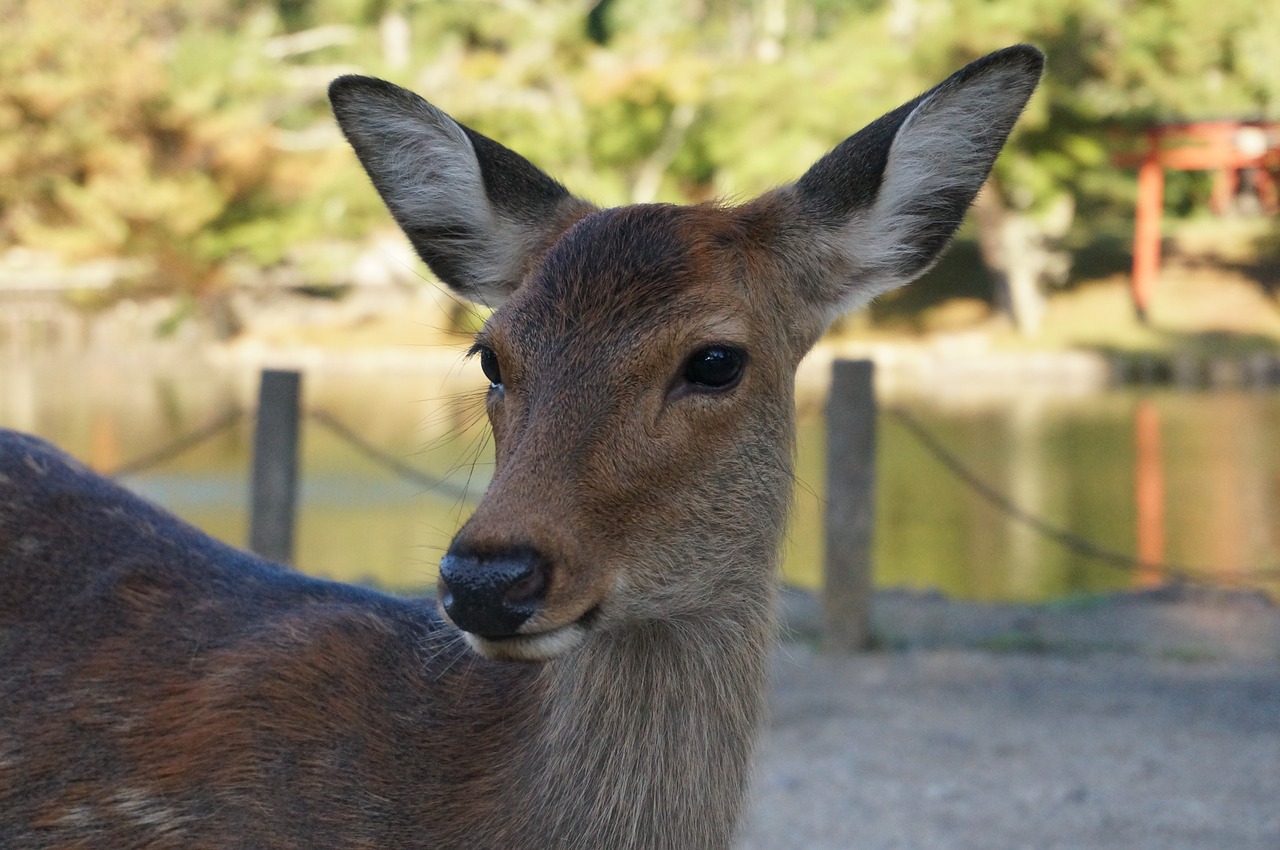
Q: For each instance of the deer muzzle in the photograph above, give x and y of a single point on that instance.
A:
(492, 595)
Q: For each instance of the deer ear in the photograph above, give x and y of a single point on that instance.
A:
(476, 212)
(876, 212)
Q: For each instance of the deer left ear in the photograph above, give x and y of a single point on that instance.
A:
(476, 212)
(877, 211)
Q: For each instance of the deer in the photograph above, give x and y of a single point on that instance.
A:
(592, 672)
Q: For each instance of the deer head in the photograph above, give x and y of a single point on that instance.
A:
(641, 359)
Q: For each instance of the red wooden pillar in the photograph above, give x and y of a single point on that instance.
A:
(1225, 183)
(1268, 192)
(1146, 228)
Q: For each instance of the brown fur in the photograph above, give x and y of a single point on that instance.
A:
(162, 690)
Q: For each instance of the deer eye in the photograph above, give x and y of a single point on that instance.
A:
(715, 368)
(489, 365)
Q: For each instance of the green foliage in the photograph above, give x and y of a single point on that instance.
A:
(1113, 69)
(195, 132)
(100, 156)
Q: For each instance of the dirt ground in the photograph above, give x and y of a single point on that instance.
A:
(1171, 744)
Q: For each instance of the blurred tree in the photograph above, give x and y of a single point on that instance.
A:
(130, 128)
(1113, 69)
(195, 132)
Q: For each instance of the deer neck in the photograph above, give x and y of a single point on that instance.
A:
(667, 710)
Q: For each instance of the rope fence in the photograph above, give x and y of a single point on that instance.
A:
(387, 461)
(179, 446)
(1067, 539)
(231, 418)
(1076, 543)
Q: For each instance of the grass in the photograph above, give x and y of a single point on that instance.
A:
(1218, 295)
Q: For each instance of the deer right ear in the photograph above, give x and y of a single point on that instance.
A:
(476, 212)
(877, 211)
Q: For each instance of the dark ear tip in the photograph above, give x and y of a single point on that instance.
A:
(341, 85)
(1027, 55)
(344, 87)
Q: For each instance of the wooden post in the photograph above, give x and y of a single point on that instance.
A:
(850, 516)
(275, 466)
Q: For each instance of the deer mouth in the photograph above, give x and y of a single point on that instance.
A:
(536, 647)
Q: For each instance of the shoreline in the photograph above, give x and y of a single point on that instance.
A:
(964, 369)
(1172, 621)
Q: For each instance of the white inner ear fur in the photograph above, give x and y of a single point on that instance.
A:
(940, 146)
(433, 179)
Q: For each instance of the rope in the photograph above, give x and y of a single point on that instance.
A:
(232, 417)
(395, 465)
(179, 446)
(1069, 540)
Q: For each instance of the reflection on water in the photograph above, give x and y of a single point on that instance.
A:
(1190, 479)
(1209, 499)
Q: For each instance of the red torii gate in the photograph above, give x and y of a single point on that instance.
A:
(1225, 147)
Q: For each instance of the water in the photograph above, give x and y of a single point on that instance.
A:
(1205, 465)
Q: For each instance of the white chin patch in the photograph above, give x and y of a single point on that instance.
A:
(539, 647)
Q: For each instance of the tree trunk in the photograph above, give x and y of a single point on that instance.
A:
(1021, 254)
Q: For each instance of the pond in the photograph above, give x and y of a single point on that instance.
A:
(1176, 477)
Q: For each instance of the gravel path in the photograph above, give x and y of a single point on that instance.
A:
(958, 749)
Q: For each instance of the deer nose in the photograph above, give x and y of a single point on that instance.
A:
(492, 595)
